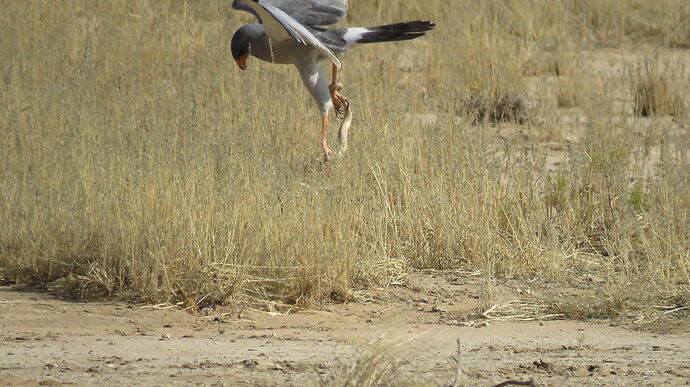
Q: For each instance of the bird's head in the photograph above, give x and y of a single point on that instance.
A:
(242, 41)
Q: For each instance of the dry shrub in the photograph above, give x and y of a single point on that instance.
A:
(508, 108)
(622, 300)
(378, 365)
(490, 72)
(655, 90)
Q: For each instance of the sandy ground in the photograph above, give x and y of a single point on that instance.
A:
(45, 340)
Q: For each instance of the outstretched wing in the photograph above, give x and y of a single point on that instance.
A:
(314, 12)
(279, 26)
(305, 12)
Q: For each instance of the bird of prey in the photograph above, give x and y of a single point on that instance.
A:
(292, 32)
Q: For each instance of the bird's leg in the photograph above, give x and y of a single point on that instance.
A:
(324, 138)
(340, 102)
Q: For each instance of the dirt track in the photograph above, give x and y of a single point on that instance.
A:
(48, 341)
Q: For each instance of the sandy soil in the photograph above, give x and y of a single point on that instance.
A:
(48, 341)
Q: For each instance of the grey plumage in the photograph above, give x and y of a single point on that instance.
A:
(334, 38)
(282, 32)
(292, 32)
(312, 15)
(306, 12)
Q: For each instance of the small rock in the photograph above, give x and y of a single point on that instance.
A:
(165, 336)
(439, 309)
(49, 382)
(249, 363)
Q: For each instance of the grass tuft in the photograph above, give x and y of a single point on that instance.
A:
(653, 92)
(508, 108)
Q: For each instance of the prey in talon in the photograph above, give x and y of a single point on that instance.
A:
(340, 102)
(293, 32)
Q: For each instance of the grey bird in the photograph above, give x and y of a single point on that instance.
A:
(292, 32)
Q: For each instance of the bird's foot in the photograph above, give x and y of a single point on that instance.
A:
(340, 102)
(327, 152)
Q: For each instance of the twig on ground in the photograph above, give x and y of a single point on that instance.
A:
(458, 366)
(389, 308)
(519, 310)
(530, 383)
(163, 306)
(486, 312)
(675, 310)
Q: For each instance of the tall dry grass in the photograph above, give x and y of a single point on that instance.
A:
(137, 161)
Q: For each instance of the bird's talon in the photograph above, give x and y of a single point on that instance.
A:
(334, 88)
(340, 102)
(340, 105)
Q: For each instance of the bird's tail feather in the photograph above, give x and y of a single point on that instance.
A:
(389, 33)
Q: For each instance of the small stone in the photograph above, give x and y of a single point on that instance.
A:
(439, 309)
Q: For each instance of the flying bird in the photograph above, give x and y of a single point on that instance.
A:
(293, 32)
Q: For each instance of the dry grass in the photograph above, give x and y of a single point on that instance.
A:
(377, 365)
(655, 89)
(579, 90)
(541, 63)
(136, 161)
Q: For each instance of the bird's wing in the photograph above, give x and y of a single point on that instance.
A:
(305, 12)
(280, 26)
(313, 12)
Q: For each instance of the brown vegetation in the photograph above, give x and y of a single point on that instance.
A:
(655, 89)
(135, 161)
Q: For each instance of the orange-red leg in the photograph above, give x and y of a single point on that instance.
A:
(340, 102)
(324, 137)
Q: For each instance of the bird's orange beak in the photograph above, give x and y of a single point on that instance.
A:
(242, 62)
